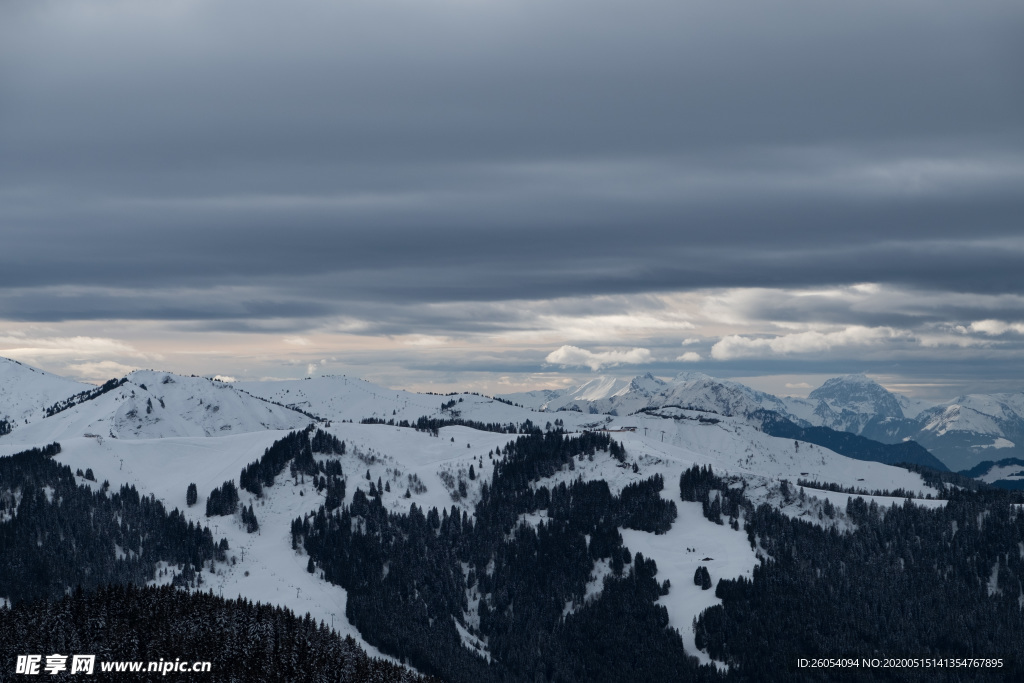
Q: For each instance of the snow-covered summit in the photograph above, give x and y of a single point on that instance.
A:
(688, 389)
(961, 432)
(858, 394)
(156, 405)
(596, 389)
(26, 392)
(339, 397)
(974, 428)
(848, 403)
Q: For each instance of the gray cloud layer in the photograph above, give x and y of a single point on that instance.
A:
(226, 164)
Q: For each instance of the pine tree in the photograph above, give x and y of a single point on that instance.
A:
(702, 578)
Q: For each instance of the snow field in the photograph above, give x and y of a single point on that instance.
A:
(164, 449)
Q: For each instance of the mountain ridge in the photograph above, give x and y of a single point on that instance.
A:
(959, 432)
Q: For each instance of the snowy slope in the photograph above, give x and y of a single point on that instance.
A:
(25, 392)
(960, 433)
(337, 397)
(591, 390)
(163, 424)
(340, 398)
(261, 566)
(688, 389)
(857, 394)
(912, 407)
(737, 451)
(1010, 470)
(697, 390)
(154, 405)
(974, 428)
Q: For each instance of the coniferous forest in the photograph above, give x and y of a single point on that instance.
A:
(59, 534)
(411, 578)
(893, 585)
(922, 583)
(432, 586)
(241, 640)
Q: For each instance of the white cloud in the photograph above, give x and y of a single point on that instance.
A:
(573, 355)
(798, 385)
(995, 327)
(813, 341)
(225, 378)
(71, 348)
(99, 371)
(689, 357)
(691, 340)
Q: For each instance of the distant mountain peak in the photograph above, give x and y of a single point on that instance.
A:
(860, 394)
(854, 379)
(646, 382)
(693, 376)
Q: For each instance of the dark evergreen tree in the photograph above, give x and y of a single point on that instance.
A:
(702, 577)
(222, 500)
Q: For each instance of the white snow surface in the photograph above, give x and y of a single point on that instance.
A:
(1000, 442)
(960, 418)
(165, 467)
(25, 392)
(912, 407)
(153, 405)
(1003, 472)
(592, 390)
(689, 544)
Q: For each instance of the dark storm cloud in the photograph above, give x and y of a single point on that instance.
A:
(388, 153)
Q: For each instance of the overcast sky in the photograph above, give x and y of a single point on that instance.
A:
(508, 194)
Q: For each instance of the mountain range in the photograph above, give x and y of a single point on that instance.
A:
(551, 534)
(961, 432)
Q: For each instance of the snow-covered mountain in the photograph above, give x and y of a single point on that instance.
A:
(696, 390)
(338, 397)
(155, 431)
(162, 433)
(341, 398)
(559, 399)
(847, 404)
(26, 392)
(974, 428)
(703, 392)
(158, 405)
(961, 432)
